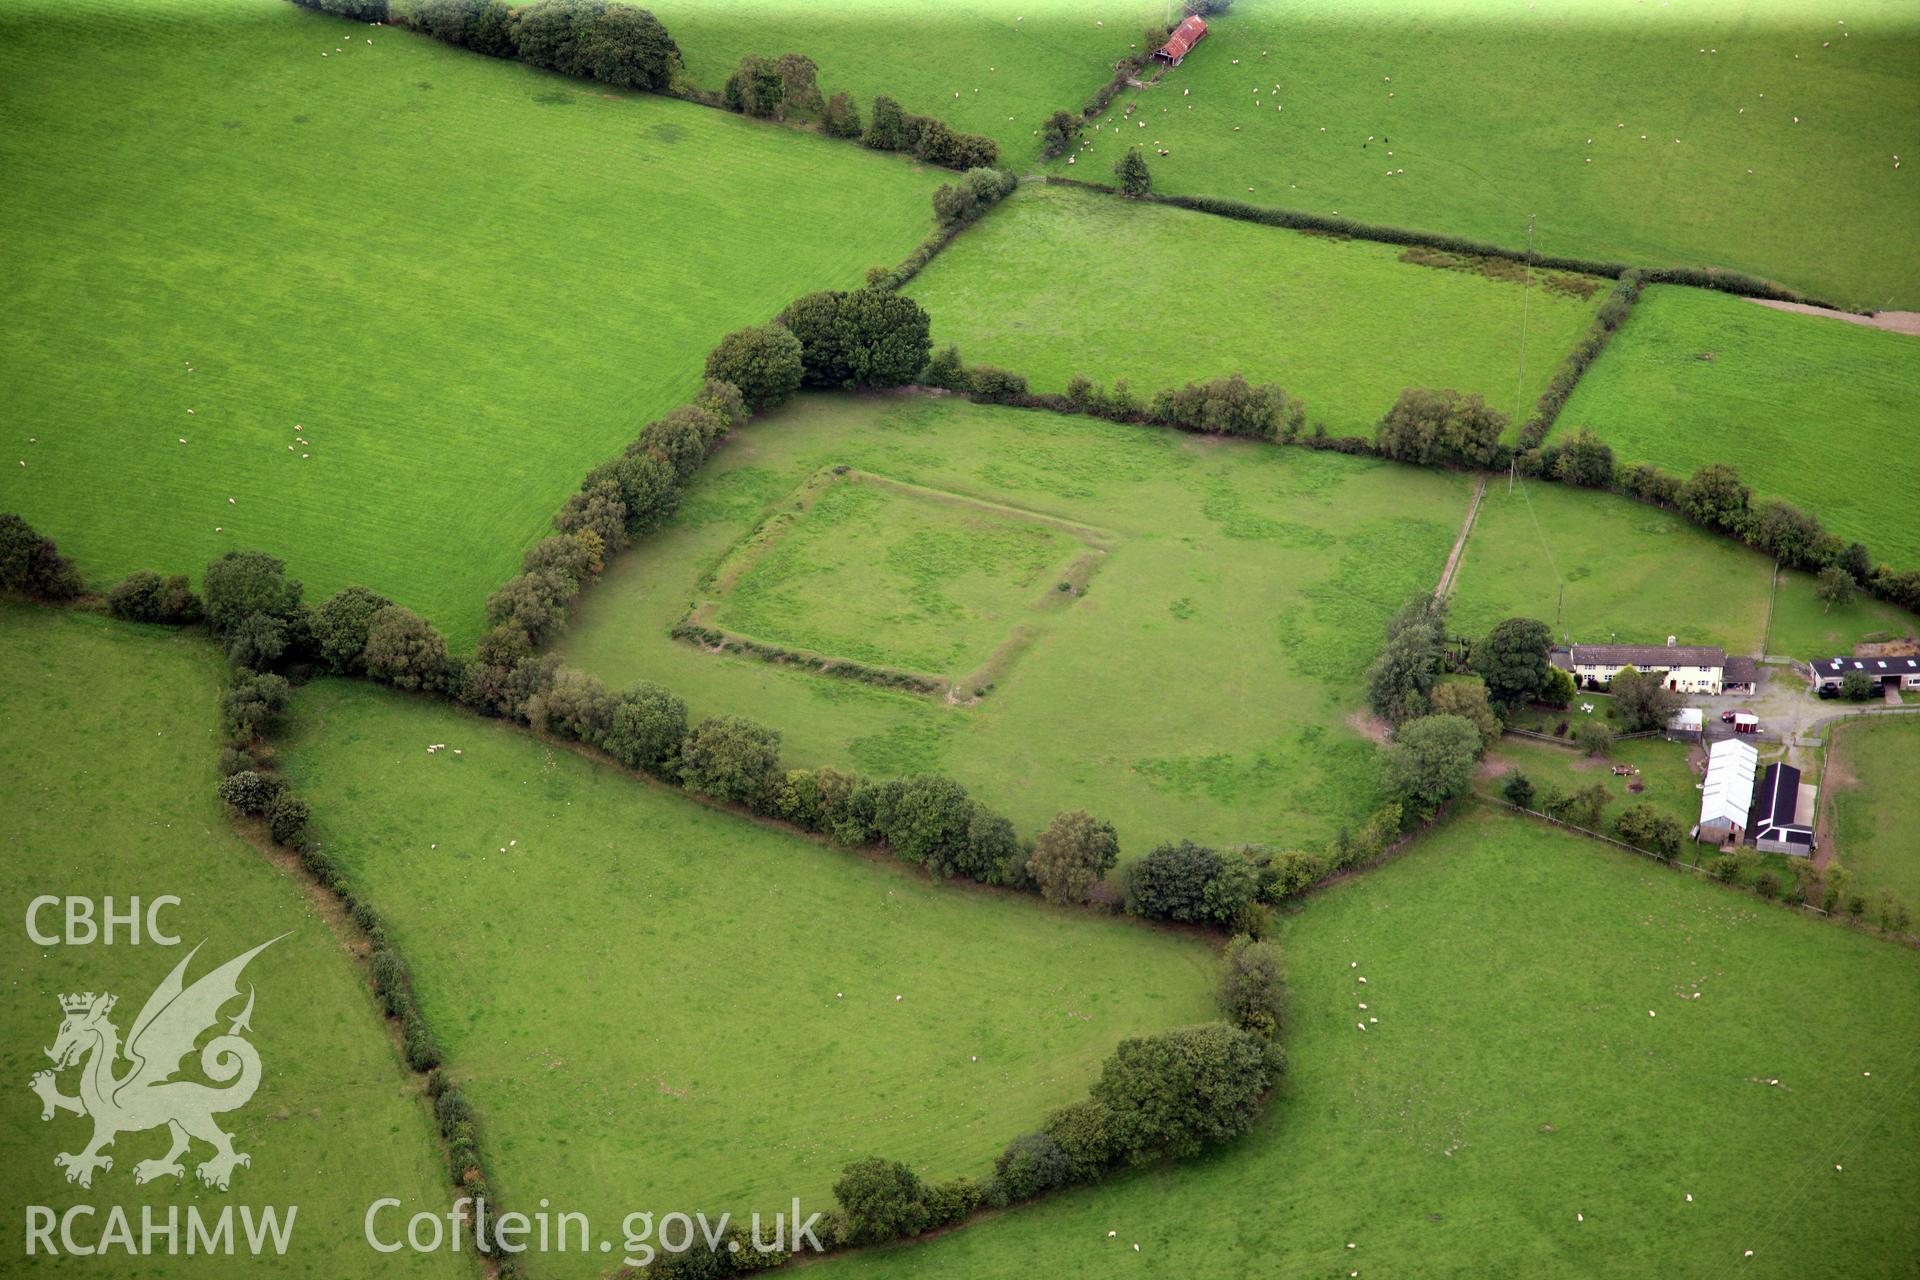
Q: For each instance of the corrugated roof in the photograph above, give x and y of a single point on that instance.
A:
(1728, 793)
(1874, 667)
(1184, 37)
(1777, 799)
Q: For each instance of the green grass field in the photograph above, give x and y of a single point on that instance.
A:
(918, 580)
(1666, 780)
(684, 1010)
(1805, 628)
(1631, 573)
(420, 292)
(1813, 410)
(998, 67)
(1062, 282)
(1873, 806)
(1515, 1112)
(1754, 134)
(109, 766)
(1198, 689)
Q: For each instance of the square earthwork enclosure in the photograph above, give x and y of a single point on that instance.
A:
(860, 571)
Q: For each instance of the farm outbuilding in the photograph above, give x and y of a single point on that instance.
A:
(1776, 803)
(1191, 31)
(1727, 795)
(1900, 672)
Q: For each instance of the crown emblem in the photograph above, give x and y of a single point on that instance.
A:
(77, 1002)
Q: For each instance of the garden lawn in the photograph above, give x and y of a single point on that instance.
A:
(1813, 410)
(1873, 807)
(108, 755)
(1059, 282)
(1631, 573)
(1199, 688)
(409, 294)
(656, 1005)
(1515, 1111)
(998, 67)
(1759, 135)
(1667, 779)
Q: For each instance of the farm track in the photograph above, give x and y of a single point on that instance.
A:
(1459, 551)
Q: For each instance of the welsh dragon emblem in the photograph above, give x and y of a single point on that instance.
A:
(147, 1096)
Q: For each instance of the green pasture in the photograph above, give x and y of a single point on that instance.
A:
(409, 294)
(1059, 282)
(911, 579)
(660, 1006)
(108, 762)
(1872, 806)
(1760, 135)
(998, 67)
(1813, 410)
(1199, 688)
(1599, 568)
(1806, 628)
(1515, 1111)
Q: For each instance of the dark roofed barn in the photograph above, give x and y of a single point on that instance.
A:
(1191, 31)
(1776, 802)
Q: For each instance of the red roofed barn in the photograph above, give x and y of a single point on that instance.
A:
(1189, 33)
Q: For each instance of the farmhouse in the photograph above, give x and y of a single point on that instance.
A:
(1776, 800)
(1690, 668)
(1899, 673)
(1727, 796)
(1191, 31)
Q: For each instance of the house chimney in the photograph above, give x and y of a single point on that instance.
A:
(1672, 640)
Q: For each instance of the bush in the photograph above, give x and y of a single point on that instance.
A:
(1073, 853)
(1032, 1165)
(340, 626)
(241, 584)
(1518, 789)
(287, 817)
(733, 759)
(646, 726)
(403, 649)
(616, 44)
(1592, 736)
(953, 1201)
(146, 597)
(250, 792)
(880, 1200)
(574, 706)
(253, 706)
(1857, 686)
(1767, 885)
(1085, 1132)
(1131, 172)
(1441, 428)
(1057, 135)
(1725, 868)
(1170, 882)
(995, 386)
(1467, 698)
(1289, 873)
(840, 118)
(945, 370)
(1179, 1092)
(233, 760)
(1231, 406)
(1713, 496)
(763, 362)
(1252, 988)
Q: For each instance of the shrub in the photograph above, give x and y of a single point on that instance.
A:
(840, 118)
(1178, 1092)
(1430, 761)
(945, 370)
(1767, 885)
(287, 816)
(645, 727)
(1441, 428)
(1857, 686)
(147, 597)
(1085, 1132)
(1170, 882)
(1231, 406)
(250, 792)
(1713, 496)
(241, 584)
(995, 386)
(732, 759)
(574, 706)
(879, 1200)
(1032, 1164)
(233, 760)
(1585, 461)
(1289, 873)
(953, 1201)
(1131, 172)
(1725, 868)
(1518, 789)
(927, 822)
(253, 706)
(1074, 852)
(886, 131)
(599, 508)
(340, 626)
(1057, 135)
(616, 44)
(404, 649)
(763, 362)
(1592, 736)
(1468, 699)
(1252, 988)
(1645, 827)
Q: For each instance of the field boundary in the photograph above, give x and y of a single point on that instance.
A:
(1459, 552)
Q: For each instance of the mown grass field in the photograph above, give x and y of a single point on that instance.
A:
(1805, 628)
(1199, 688)
(1666, 780)
(1873, 805)
(1631, 573)
(419, 291)
(1813, 410)
(684, 1010)
(109, 766)
(1059, 282)
(1515, 1112)
(998, 67)
(1759, 135)
(912, 579)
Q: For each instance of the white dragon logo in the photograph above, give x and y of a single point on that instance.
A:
(147, 1096)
